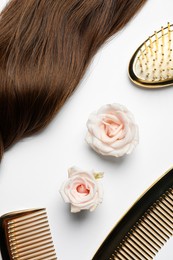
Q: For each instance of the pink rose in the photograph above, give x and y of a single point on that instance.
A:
(82, 190)
(112, 131)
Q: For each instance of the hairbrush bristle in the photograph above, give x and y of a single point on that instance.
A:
(27, 236)
(152, 63)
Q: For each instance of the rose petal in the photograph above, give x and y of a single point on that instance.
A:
(75, 209)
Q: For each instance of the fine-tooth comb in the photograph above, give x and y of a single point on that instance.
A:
(151, 66)
(145, 228)
(25, 235)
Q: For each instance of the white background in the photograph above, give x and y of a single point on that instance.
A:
(32, 171)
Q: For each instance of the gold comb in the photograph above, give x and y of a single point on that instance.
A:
(25, 235)
(145, 228)
(151, 66)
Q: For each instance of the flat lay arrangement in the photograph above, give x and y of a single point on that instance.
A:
(79, 141)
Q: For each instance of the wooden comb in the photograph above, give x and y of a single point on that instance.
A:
(25, 235)
(151, 65)
(145, 228)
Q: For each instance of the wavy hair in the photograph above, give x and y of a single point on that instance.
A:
(45, 48)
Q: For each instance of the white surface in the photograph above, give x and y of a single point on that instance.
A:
(33, 170)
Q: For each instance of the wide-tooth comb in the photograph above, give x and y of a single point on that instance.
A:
(25, 235)
(151, 66)
(145, 228)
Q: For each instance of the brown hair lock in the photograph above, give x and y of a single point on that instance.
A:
(45, 48)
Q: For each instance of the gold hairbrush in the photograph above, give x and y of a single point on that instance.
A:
(151, 66)
(25, 235)
(145, 228)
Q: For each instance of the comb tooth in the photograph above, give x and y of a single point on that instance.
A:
(135, 248)
(122, 253)
(36, 244)
(167, 205)
(118, 257)
(153, 229)
(168, 200)
(130, 252)
(29, 239)
(127, 250)
(18, 224)
(160, 206)
(157, 227)
(165, 208)
(20, 244)
(162, 218)
(27, 235)
(151, 233)
(128, 247)
(48, 257)
(29, 216)
(148, 238)
(39, 252)
(144, 241)
(169, 195)
(19, 229)
(28, 231)
(163, 212)
(142, 247)
(160, 224)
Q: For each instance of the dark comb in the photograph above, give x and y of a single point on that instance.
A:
(145, 228)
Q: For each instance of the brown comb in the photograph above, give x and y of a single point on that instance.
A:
(25, 235)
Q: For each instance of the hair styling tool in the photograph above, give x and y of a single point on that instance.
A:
(145, 228)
